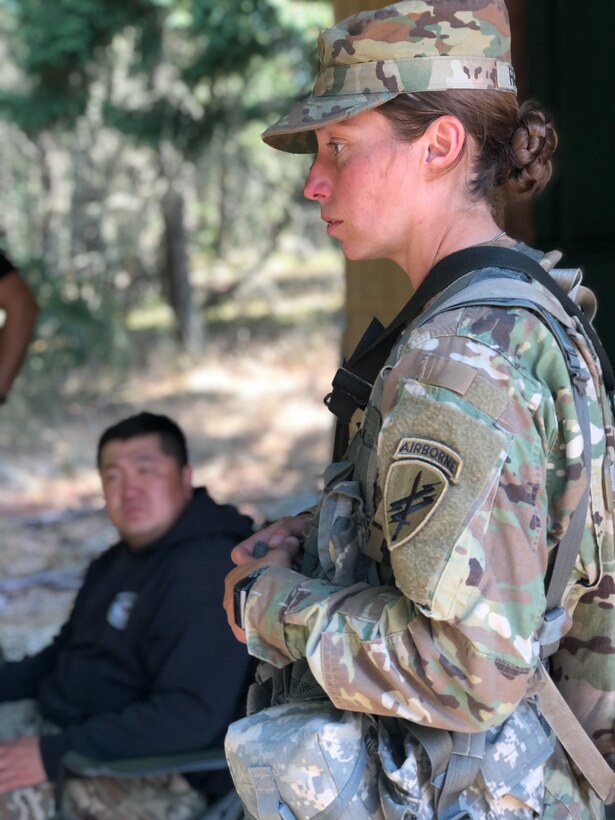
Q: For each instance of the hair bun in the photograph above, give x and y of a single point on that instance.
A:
(526, 163)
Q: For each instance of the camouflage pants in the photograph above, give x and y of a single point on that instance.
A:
(163, 797)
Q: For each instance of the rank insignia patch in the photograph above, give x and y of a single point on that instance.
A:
(415, 486)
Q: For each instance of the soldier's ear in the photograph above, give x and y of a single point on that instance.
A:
(445, 138)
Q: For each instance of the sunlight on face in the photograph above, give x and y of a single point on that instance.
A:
(368, 185)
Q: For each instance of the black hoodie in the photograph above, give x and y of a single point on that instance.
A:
(146, 663)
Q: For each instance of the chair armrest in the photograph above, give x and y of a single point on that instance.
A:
(204, 760)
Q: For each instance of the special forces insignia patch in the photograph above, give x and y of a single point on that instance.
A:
(415, 486)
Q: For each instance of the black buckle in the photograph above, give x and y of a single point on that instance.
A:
(349, 393)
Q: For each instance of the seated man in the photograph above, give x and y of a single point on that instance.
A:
(146, 663)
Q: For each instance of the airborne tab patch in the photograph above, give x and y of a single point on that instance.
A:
(415, 485)
(431, 452)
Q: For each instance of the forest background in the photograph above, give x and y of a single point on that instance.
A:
(176, 265)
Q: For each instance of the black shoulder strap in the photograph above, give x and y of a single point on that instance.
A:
(353, 382)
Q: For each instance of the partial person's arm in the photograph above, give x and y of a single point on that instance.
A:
(20, 309)
(197, 677)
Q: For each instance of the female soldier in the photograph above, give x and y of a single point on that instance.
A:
(435, 535)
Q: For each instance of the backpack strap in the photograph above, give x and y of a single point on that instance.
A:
(573, 736)
(455, 759)
(513, 292)
(559, 716)
(567, 550)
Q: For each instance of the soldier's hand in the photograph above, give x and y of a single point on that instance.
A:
(283, 534)
(20, 764)
(279, 556)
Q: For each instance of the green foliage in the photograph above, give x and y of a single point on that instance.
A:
(62, 46)
(56, 46)
(63, 36)
(221, 51)
(120, 101)
(35, 112)
(76, 328)
(232, 35)
(162, 119)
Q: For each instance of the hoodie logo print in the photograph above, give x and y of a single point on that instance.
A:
(120, 608)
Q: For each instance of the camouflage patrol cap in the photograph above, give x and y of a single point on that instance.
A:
(415, 45)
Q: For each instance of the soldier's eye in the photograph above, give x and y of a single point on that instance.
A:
(336, 147)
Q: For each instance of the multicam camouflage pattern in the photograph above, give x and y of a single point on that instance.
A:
(584, 666)
(145, 798)
(446, 635)
(415, 45)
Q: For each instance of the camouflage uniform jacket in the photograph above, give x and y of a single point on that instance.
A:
(468, 466)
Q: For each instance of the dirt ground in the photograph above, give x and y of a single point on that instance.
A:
(258, 432)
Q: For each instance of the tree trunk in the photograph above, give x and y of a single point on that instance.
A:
(86, 207)
(175, 276)
(53, 245)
